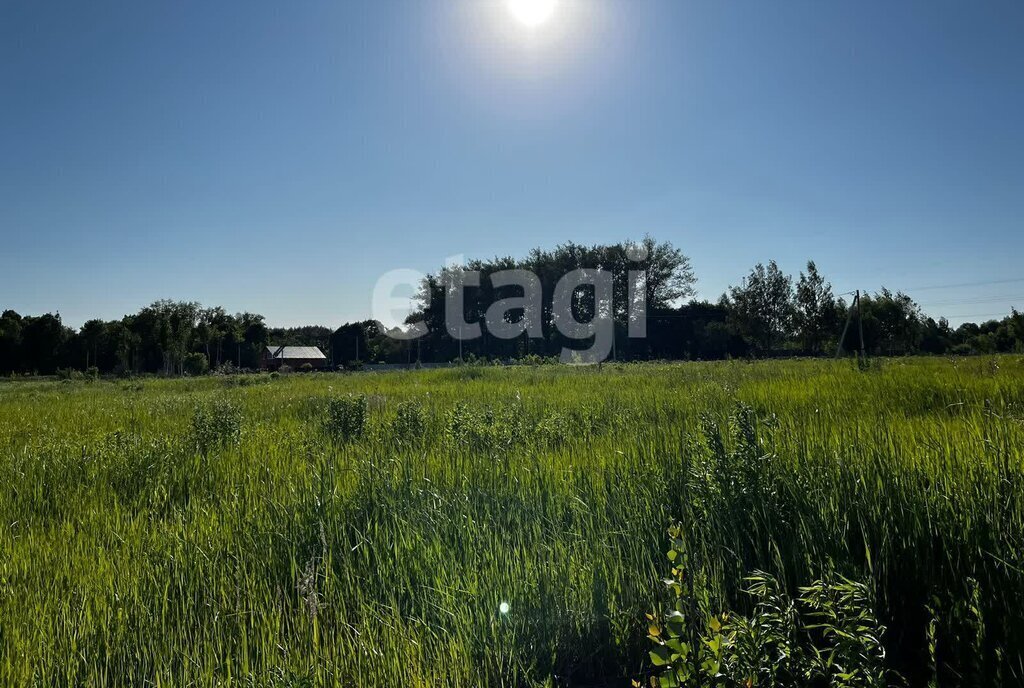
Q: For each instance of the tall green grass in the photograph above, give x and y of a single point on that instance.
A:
(245, 531)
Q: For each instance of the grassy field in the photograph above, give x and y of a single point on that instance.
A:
(262, 531)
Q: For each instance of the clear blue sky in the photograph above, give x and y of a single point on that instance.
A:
(278, 157)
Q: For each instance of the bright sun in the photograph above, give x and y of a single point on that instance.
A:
(532, 12)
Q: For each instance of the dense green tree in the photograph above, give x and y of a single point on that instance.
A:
(892, 323)
(210, 331)
(123, 343)
(92, 335)
(350, 343)
(761, 307)
(10, 342)
(42, 341)
(256, 336)
(936, 336)
(699, 330)
(814, 310)
(657, 273)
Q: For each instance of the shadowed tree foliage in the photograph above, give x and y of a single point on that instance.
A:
(10, 342)
(43, 341)
(351, 343)
(660, 270)
(893, 325)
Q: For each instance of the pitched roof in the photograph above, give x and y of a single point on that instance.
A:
(296, 352)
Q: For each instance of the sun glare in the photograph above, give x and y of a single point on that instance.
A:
(532, 12)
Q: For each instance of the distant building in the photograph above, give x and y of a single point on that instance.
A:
(295, 357)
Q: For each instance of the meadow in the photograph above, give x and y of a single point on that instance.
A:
(483, 526)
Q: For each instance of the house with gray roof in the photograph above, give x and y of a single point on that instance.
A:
(295, 357)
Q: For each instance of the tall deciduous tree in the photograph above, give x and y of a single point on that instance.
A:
(91, 334)
(10, 342)
(814, 310)
(762, 307)
(893, 323)
(42, 340)
(657, 273)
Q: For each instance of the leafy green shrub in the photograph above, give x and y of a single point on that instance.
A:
(535, 360)
(410, 421)
(472, 359)
(69, 374)
(216, 424)
(847, 638)
(828, 636)
(346, 416)
(462, 425)
(485, 429)
(554, 429)
(196, 364)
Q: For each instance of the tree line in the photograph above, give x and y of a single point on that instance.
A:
(768, 313)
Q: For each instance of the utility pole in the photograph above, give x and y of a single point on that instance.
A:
(846, 327)
(860, 327)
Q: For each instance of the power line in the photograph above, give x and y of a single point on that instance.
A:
(980, 315)
(971, 302)
(966, 284)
